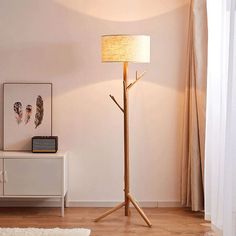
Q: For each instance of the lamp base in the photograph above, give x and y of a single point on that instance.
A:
(123, 204)
(127, 196)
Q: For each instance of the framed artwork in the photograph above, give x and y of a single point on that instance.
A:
(27, 112)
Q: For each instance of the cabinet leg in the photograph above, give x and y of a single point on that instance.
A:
(62, 206)
(65, 200)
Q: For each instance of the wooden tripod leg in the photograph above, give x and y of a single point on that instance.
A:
(110, 211)
(140, 211)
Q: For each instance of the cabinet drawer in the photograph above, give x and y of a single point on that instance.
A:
(33, 177)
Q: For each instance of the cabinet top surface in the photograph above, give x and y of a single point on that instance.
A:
(7, 154)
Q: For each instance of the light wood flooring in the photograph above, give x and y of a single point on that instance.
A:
(166, 221)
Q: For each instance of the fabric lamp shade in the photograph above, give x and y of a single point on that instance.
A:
(126, 48)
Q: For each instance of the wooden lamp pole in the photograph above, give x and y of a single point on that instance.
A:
(127, 196)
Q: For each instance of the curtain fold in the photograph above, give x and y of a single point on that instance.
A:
(192, 189)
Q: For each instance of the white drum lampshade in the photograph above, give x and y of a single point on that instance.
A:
(126, 48)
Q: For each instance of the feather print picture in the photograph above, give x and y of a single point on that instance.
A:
(39, 112)
(18, 112)
(27, 113)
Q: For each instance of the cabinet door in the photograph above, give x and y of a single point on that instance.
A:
(1, 177)
(33, 177)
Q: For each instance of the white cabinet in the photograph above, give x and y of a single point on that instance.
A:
(1, 177)
(24, 174)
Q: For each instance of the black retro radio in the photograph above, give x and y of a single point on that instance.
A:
(44, 144)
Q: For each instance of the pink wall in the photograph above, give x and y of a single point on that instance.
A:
(59, 42)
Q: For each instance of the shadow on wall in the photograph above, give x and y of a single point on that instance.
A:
(38, 61)
(47, 41)
(123, 10)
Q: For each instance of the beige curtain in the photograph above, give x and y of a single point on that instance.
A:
(192, 189)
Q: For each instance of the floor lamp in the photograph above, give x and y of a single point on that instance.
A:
(126, 48)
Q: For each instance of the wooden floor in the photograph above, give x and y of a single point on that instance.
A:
(166, 221)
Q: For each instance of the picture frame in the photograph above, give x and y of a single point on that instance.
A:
(27, 112)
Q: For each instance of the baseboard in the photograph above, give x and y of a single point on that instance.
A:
(76, 203)
(151, 204)
(169, 204)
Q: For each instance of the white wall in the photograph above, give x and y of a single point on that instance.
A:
(59, 42)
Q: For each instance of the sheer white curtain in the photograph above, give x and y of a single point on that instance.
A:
(220, 164)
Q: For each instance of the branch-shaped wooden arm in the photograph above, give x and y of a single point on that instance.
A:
(114, 100)
(138, 77)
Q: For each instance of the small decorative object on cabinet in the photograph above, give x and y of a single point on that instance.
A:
(29, 175)
(27, 113)
(44, 144)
